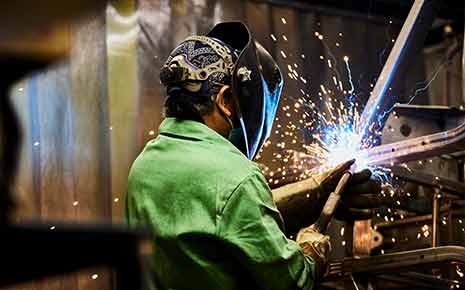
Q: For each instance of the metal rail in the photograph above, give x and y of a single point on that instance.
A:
(396, 262)
(446, 185)
(446, 142)
(419, 280)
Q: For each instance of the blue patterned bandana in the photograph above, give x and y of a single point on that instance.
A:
(199, 64)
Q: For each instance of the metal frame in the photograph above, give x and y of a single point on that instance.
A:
(418, 280)
(446, 185)
(408, 43)
(396, 262)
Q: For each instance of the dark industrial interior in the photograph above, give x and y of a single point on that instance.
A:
(81, 96)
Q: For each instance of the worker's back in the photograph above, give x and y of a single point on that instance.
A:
(179, 186)
(212, 215)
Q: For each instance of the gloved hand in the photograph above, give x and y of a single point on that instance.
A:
(300, 203)
(315, 245)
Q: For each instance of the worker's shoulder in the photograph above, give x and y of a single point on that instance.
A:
(226, 163)
(199, 161)
(254, 183)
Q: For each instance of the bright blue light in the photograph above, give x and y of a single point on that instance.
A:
(341, 139)
(342, 143)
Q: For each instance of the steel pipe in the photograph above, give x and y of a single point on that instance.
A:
(407, 45)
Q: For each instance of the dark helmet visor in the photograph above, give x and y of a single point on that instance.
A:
(256, 83)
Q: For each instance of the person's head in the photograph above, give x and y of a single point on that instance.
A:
(204, 94)
(227, 81)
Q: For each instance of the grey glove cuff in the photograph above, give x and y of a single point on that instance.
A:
(306, 186)
(317, 246)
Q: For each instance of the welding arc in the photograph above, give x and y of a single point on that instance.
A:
(331, 204)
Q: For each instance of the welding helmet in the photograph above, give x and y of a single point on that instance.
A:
(255, 79)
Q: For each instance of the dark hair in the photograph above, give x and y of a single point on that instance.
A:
(185, 105)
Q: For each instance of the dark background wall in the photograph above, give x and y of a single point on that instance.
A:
(86, 119)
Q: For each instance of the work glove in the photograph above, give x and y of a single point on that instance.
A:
(317, 246)
(300, 203)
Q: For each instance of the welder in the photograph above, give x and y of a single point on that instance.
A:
(212, 215)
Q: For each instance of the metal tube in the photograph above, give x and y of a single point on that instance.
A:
(434, 237)
(408, 44)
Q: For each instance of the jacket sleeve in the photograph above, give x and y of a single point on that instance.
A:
(251, 224)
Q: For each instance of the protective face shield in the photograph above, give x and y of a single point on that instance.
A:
(229, 55)
(256, 83)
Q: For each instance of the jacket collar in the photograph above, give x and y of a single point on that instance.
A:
(193, 130)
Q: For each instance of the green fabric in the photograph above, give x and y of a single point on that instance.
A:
(214, 222)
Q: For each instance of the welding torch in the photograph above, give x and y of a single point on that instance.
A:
(331, 204)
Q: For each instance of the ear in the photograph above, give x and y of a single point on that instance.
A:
(225, 105)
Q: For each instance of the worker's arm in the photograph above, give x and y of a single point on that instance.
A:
(300, 203)
(252, 225)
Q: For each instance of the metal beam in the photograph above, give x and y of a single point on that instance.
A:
(446, 142)
(409, 43)
(447, 185)
(397, 262)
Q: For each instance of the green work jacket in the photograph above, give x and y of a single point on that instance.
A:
(212, 215)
